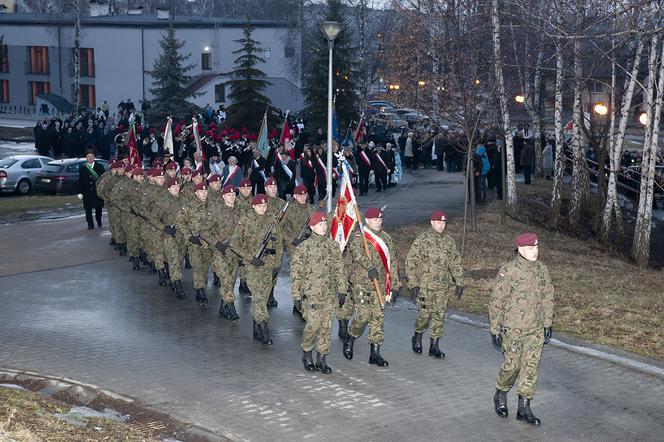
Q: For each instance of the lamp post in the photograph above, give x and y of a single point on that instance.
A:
(331, 29)
(420, 83)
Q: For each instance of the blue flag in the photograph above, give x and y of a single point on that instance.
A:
(348, 140)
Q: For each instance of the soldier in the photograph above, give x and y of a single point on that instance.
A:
(171, 170)
(187, 188)
(174, 242)
(365, 270)
(521, 314)
(154, 231)
(433, 265)
(293, 223)
(132, 198)
(274, 206)
(243, 203)
(105, 185)
(194, 223)
(224, 262)
(246, 241)
(345, 306)
(315, 289)
(215, 205)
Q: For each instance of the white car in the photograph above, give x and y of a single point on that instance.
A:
(18, 172)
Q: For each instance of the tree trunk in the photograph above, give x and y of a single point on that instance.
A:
(500, 86)
(559, 167)
(76, 95)
(641, 246)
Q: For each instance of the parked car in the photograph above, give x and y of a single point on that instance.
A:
(392, 119)
(61, 176)
(18, 172)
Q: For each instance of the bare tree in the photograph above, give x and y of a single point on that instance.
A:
(556, 194)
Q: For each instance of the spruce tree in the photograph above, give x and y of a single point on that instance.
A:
(247, 84)
(171, 81)
(343, 75)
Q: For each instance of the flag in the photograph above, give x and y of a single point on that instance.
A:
(345, 218)
(134, 158)
(348, 140)
(384, 255)
(168, 136)
(285, 131)
(335, 127)
(197, 139)
(359, 132)
(261, 142)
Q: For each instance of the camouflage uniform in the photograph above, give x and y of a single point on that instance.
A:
(225, 264)
(194, 220)
(345, 312)
(293, 223)
(433, 264)
(154, 237)
(521, 305)
(245, 241)
(367, 307)
(316, 285)
(165, 214)
(243, 205)
(105, 185)
(126, 193)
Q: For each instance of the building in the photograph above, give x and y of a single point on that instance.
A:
(118, 52)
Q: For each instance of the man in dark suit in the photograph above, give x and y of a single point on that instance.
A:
(88, 174)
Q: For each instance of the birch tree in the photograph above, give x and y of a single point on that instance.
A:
(559, 168)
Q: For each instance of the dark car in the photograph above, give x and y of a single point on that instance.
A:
(61, 176)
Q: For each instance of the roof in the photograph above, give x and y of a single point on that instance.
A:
(60, 102)
(130, 20)
(201, 82)
(25, 157)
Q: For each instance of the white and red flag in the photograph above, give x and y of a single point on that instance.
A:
(345, 216)
(384, 254)
(197, 139)
(134, 158)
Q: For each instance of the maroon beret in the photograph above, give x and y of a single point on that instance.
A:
(373, 212)
(201, 186)
(197, 172)
(300, 189)
(214, 178)
(526, 239)
(172, 166)
(271, 182)
(185, 171)
(316, 218)
(228, 189)
(259, 199)
(117, 165)
(137, 170)
(245, 183)
(129, 168)
(438, 215)
(172, 182)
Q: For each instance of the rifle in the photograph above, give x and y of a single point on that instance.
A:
(268, 234)
(304, 231)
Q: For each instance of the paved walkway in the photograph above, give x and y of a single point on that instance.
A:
(71, 307)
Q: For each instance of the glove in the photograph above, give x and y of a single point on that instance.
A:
(169, 230)
(373, 273)
(195, 240)
(548, 332)
(342, 299)
(270, 252)
(459, 292)
(395, 295)
(256, 262)
(298, 305)
(414, 292)
(80, 196)
(497, 342)
(275, 272)
(297, 241)
(221, 247)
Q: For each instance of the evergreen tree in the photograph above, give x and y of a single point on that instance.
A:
(171, 81)
(343, 76)
(247, 84)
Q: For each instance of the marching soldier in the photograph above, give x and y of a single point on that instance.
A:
(224, 261)
(171, 170)
(215, 205)
(174, 241)
(155, 235)
(433, 265)
(521, 314)
(315, 289)
(194, 223)
(243, 203)
(105, 185)
(274, 206)
(131, 197)
(187, 188)
(380, 266)
(246, 240)
(345, 307)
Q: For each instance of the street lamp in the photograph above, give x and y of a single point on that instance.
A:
(331, 29)
(643, 118)
(520, 99)
(601, 109)
(420, 83)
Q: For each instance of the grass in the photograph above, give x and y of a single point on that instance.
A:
(27, 416)
(13, 204)
(599, 296)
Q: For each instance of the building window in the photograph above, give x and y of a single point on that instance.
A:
(267, 53)
(38, 88)
(87, 94)
(219, 93)
(86, 62)
(206, 61)
(37, 60)
(4, 91)
(289, 52)
(4, 59)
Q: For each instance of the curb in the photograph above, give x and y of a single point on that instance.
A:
(643, 364)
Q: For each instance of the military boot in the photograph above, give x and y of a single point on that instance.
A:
(136, 262)
(162, 277)
(223, 310)
(187, 264)
(201, 297)
(217, 281)
(232, 313)
(179, 291)
(343, 328)
(123, 249)
(500, 403)
(167, 276)
(375, 357)
(112, 242)
(524, 414)
(308, 361)
(348, 347)
(321, 364)
(266, 334)
(153, 269)
(258, 333)
(271, 302)
(434, 350)
(416, 340)
(243, 287)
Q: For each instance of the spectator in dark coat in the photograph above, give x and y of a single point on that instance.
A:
(88, 174)
(527, 161)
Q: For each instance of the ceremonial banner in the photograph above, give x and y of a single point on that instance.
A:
(168, 137)
(384, 253)
(197, 139)
(261, 143)
(134, 158)
(345, 214)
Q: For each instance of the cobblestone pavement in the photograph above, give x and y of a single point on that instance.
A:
(72, 308)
